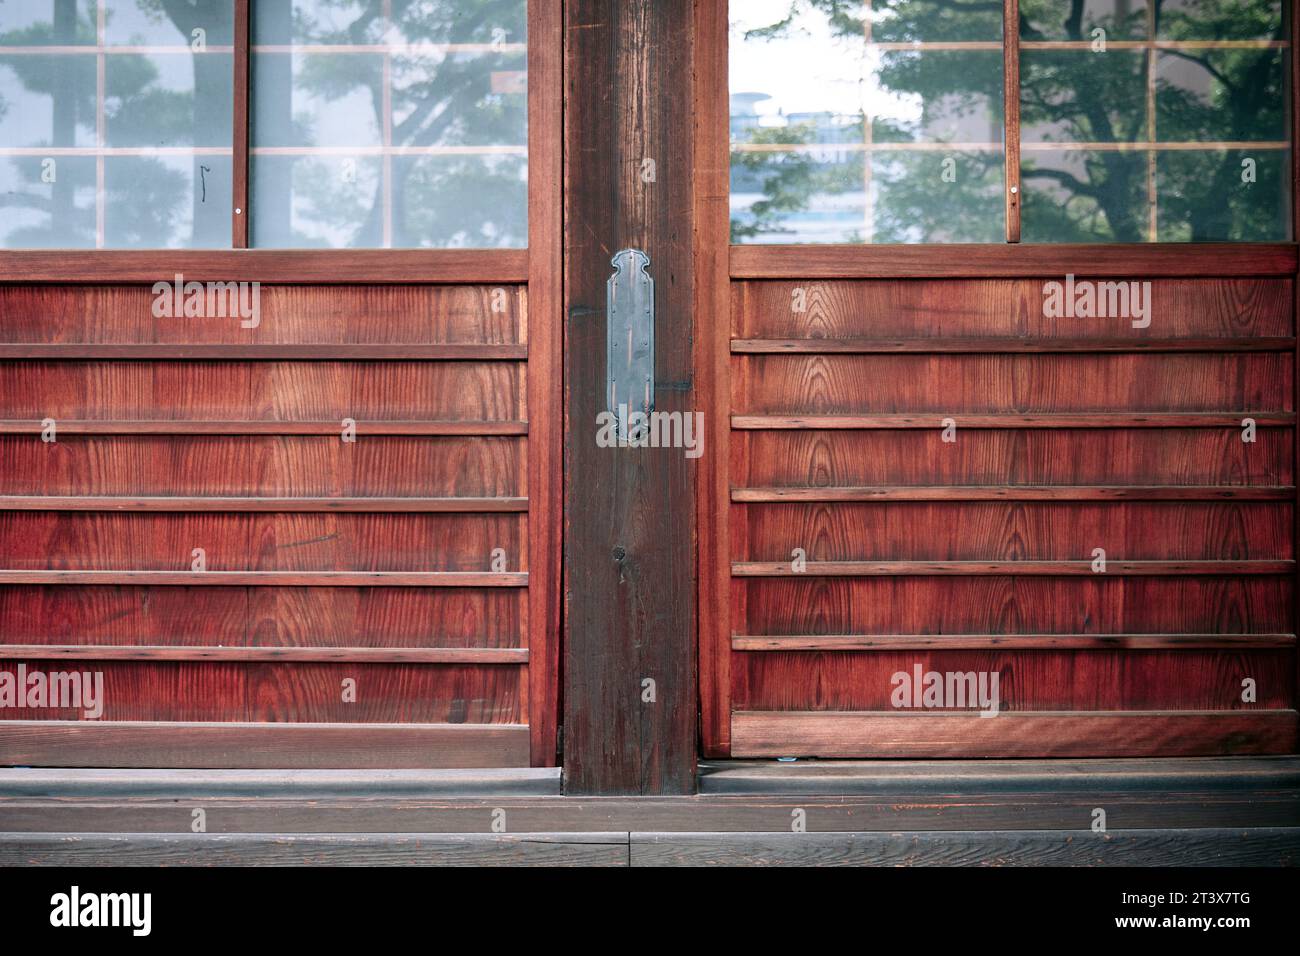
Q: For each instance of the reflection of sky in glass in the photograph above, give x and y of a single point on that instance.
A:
(811, 69)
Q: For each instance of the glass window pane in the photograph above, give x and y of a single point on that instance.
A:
(866, 122)
(116, 123)
(1080, 21)
(401, 131)
(1154, 122)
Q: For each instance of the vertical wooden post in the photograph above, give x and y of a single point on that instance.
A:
(629, 607)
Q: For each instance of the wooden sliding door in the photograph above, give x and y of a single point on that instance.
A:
(928, 477)
(321, 535)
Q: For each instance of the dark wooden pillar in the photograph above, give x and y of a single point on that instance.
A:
(629, 523)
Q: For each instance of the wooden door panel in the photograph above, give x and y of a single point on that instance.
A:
(272, 466)
(341, 618)
(1018, 531)
(862, 542)
(295, 691)
(1003, 606)
(918, 457)
(381, 582)
(72, 316)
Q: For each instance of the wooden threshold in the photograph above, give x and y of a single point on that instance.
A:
(175, 652)
(1013, 260)
(1012, 733)
(290, 266)
(1009, 642)
(1019, 493)
(67, 743)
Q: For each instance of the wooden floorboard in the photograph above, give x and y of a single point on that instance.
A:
(1265, 847)
(336, 849)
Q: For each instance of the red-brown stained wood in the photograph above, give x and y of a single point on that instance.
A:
(545, 335)
(300, 692)
(288, 314)
(1020, 735)
(372, 617)
(64, 743)
(262, 466)
(974, 555)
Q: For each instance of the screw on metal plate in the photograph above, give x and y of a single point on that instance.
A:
(630, 338)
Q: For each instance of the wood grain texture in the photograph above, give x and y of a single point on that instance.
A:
(712, 307)
(1142, 260)
(629, 520)
(314, 266)
(260, 745)
(337, 617)
(545, 396)
(263, 466)
(991, 311)
(1013, 734)
(430, 849)
(941, 642)
(453, 317)
(1175, 848)
(288, 810)
(973, 554)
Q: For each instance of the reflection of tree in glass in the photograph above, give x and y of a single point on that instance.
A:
(70, 83)
(1202, 95)
(437, 100)
(146, 197)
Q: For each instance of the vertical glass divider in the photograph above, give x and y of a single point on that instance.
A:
(101, 120)
(869, 216)
(239, 211)
(1152, 219)
(1011, 113)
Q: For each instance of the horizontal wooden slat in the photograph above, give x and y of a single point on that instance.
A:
(64, 743)
(309, 579)
(1012, 733)
(940, 261)
(286, 352)
(145, 427)
(1020, 493)
(190, 652)
(782, 569)
(209, 504)
(316, 266)
(990, 344)
(940, 642)
(1011, 420)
